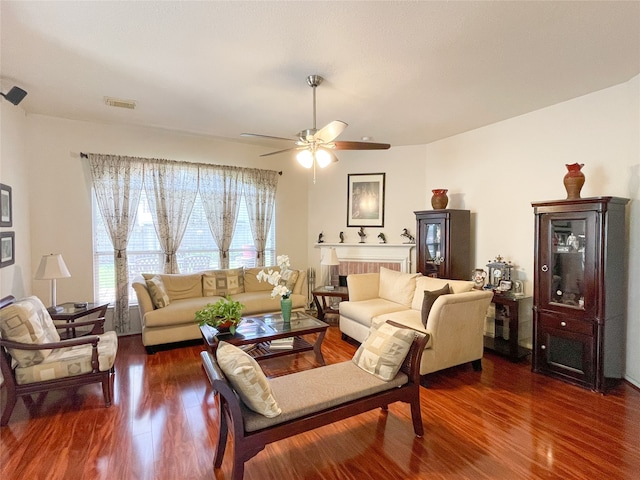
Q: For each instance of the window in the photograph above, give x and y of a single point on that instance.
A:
(198, 251)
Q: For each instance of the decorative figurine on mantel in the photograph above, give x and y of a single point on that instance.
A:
(410, 238)
(320, 240)
(362, 234)
(341, 237)
(382, 238)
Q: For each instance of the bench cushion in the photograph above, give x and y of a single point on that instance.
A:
(310, 391)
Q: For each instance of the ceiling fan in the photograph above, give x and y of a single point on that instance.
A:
(315, 146)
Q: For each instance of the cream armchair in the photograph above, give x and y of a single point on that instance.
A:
(34, 359)
(455, 322)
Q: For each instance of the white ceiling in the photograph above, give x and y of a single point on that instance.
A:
(397, 71)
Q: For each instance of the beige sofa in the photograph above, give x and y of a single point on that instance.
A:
(455, 322)
(187, 293)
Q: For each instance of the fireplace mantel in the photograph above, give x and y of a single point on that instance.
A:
(400, 253)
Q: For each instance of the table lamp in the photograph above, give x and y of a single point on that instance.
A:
(330, 259)
(51, 268)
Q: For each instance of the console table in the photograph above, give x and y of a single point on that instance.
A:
(511, 313)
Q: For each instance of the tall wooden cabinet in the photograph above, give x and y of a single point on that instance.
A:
(579, 298)
(443, 244)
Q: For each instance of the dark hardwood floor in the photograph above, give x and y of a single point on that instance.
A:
(501, 423)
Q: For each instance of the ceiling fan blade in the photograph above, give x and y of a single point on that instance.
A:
(282, 151)
(267, 136)
(330, 131)
(346, 145)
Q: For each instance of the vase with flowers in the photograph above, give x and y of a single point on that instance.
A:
(274, 277)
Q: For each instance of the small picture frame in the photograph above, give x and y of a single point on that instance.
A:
(365, 199)
(6, 206)
(504, 286)
(7, 249)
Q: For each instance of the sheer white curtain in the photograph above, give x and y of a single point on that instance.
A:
(260, 194)
(220, 189)
(171, 189)
(117, 182)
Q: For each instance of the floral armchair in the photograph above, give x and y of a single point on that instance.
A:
(33, 358)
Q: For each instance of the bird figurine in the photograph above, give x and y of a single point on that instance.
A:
(410, 238)
(341, 237)
(362, 234)
(382, 238)
(320, 240)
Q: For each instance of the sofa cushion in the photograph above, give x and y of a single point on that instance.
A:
(28, 321)
(429, 299)
(179, 312)
(396, 286)
(309, 391)
(180, 285)
(69, 361)
(363, 311)
(384, 350)
(251, 282)
(431, 284)
(223, 282)
(248, 380)
(158, 293)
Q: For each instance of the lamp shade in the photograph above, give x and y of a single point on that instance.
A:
(52, 267)
(330, 258)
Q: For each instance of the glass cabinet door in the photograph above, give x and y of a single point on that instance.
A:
(433, 248)
(568, 262)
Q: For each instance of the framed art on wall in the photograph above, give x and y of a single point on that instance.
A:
(7, 248)
(6, 208)
(365, 199)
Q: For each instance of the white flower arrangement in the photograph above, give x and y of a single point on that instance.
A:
(274, 277)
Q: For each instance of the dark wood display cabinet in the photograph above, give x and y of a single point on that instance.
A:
(579, 298)
(443, 245)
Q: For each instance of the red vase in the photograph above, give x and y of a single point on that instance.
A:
(574, 180)
(439, 200)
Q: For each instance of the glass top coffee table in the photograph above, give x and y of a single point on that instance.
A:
(254, 335)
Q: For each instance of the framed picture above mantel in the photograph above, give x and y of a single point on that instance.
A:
(365, 199)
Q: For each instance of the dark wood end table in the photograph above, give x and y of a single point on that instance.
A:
(510, 305)
(70, 314)
(322, 293)
(258, 331)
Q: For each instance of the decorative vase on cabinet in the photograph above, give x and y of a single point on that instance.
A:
(579, 303)
(443, 243)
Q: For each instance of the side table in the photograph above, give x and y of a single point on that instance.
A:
(509, 348)
(322, 293)
(70, 313)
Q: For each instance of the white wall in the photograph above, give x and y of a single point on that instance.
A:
(497, 171)
(14, 171)
(61, 189)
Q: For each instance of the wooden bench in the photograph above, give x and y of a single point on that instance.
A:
(252, 431)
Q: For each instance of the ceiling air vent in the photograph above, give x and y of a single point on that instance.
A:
(120, 103)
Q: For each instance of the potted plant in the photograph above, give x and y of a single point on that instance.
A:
(224, 315)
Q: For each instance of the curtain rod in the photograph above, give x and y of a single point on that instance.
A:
(84, 155)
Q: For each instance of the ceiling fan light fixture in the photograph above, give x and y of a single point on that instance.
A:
(305, 158)
(323, 158)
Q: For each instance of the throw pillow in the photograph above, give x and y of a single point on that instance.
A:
(384, 350)
(223, 282)
(247, 379)
(27, 321)
(429, 300)
(289, 279)
(159, 295)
